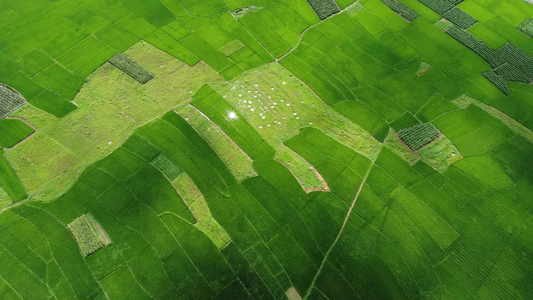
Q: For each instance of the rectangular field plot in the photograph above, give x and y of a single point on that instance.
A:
(88, 234)
(460, 18)
(131, 67)
(419, 135)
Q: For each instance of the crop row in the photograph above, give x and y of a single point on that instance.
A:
(469, 40)
(324, 8)
(401, 9)
(9, 100)
(511, 73)
(498, 81)
(459, 18)
(131, 67)
(416, 137)
(440, 6)
(86, 234)
(527, 27)
(518, 58)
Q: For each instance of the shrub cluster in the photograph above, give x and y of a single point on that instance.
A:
(9, 100)
(131, 67)
(459, 18)
(517, 58)
(527, 27)
(86, 234)
(401, 9)
(498, 81)
(511, 73)
(416, 137)
(492, 57)
(324, 8)
(440, 6)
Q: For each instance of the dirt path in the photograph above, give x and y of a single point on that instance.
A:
(341, 229)
(312, 26)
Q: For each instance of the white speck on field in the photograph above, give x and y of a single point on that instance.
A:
(232, 115)
(110, 142)
(268, 125)
(240, 95)
(260, 126)
(272, 88)
(263, 117)
(310, 123)
(251, 109)
(288, 104)
(297, 118)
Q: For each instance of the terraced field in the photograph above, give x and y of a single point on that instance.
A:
(232, 149)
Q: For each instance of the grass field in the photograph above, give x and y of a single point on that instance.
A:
(111, 105)
(232, 149)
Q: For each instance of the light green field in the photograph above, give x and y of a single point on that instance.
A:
(111, 106)
(263, 159)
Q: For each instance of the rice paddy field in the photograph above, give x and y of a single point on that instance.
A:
(239, 149)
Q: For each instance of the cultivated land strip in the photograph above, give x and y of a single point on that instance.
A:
(312, 26)
(29, 136)
(310, 289)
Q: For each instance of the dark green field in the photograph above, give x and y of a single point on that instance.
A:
(238, 149)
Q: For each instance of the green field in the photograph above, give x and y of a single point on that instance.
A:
(268, 149)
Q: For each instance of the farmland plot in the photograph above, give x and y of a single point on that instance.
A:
(63, 147)
(13, 132)
(88, 234)
(324, 8)
(225, 178)
(418, 136)
(131, 68)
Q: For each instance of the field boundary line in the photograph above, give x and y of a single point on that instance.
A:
(9, 285)
(35, 130)
(312, 26)
(309, 290)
